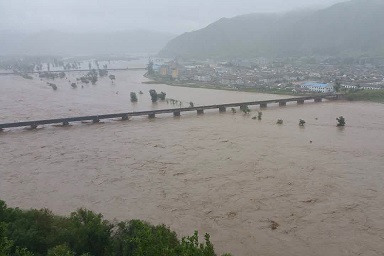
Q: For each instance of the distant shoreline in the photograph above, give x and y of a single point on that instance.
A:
(217, 87)
(376, 96)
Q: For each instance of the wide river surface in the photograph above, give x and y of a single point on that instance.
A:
(225, 174)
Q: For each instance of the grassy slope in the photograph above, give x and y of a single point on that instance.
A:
(374, 96)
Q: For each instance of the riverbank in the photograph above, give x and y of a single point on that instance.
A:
(362, 95)
(218, 87)
(365, 95)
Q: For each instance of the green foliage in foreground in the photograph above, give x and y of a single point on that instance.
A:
(85, 233)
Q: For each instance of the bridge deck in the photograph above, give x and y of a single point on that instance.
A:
(97, 118)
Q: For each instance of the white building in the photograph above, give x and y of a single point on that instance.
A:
(317, 87)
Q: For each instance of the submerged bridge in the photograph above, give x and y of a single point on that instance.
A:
(176, 111)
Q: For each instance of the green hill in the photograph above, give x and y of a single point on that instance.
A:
(351, 28)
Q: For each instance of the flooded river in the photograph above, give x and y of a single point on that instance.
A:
(321, 187)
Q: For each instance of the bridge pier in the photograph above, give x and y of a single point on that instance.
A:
(124, 117)
(65, 123)
(176, 113)
(151, 115)
(318, 99)
(282, 103)
(200, 111)
(300, 102)
(222, 109)
(263, 105)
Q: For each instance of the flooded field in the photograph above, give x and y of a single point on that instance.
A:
(257, 187)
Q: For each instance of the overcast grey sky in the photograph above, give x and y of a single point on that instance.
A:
(174, 16)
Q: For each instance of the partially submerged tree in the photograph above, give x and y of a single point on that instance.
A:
(259, 115)
(150, 68)
(191, 105)
(233, 110)
(154, 95)
(133, 97)
(301, 122)
(112, 77)
(54, 86)
(245, 109)
(340, 121)
(161, 96)
(103, 72)
(279, 121)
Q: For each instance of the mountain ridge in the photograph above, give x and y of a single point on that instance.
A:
(346, 29)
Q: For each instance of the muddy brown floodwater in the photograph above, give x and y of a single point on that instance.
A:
(224, 174)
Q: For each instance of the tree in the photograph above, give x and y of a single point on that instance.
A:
(136, 237)
(112, 77)
(191, 246)
(337, 85)
(259, 115)
(161, 96)
(191, 105)
(5, 244)
(154, 95)
(245, 109)
(133, 97)
(60, 250)
(103, 72)
(150, 67)
(340, 121)
(89, 233)
(85, 233)
(301, 122)
(33, 229)
(93, 79)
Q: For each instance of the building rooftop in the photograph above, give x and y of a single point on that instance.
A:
(315, 84)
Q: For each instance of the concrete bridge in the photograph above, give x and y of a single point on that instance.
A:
(175, 111)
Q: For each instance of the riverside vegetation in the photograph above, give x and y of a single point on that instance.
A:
(40, 232)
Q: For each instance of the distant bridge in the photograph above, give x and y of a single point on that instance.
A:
(70, 70)
(176, 111)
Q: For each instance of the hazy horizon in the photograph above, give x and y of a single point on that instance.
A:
(174, 17)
